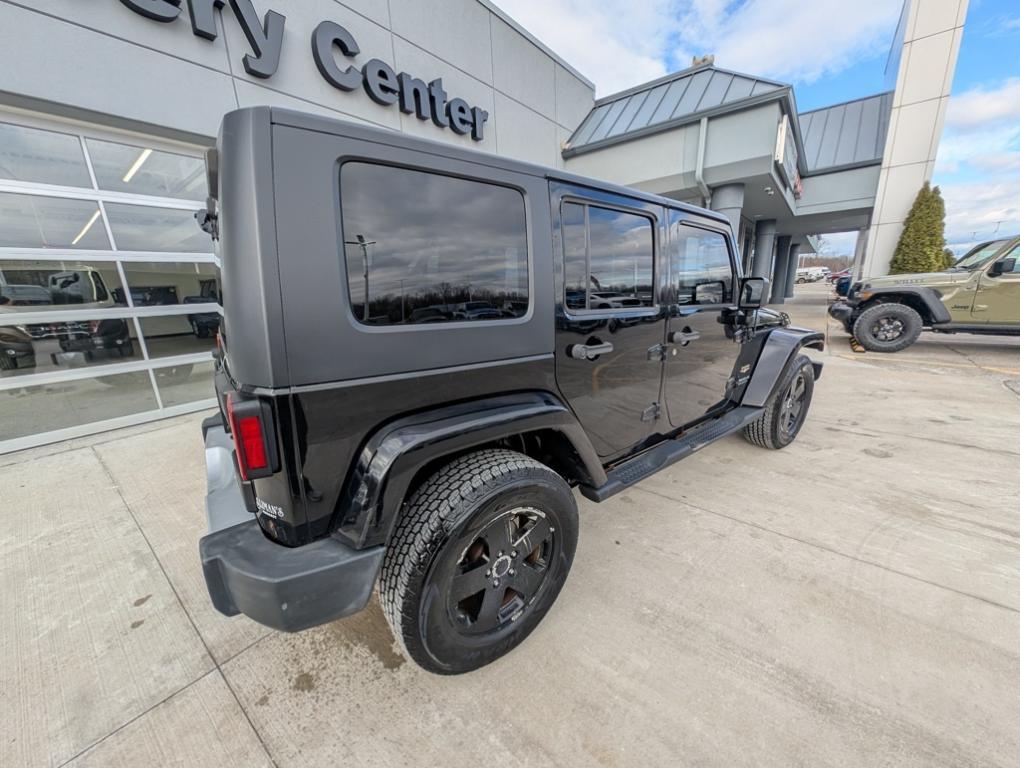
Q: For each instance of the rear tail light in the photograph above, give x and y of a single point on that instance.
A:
(251, 423)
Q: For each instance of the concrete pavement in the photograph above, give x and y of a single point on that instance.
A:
(851, 600)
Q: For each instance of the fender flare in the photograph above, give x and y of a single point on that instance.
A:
(780, 347)
(925, 294)
(392, 456)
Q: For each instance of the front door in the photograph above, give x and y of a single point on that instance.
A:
(609, 324)
(699, 355)
(998, 297)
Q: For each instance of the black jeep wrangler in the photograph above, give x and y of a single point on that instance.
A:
(424, 349)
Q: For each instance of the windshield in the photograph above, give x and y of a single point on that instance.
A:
(977, 256)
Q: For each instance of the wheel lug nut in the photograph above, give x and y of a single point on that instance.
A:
(488, 574)
(500, 553)
(513, 572)
(495, 582)
(514, 553)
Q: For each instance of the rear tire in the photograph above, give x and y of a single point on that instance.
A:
(887, 327)
(787, 409)
(479, 555)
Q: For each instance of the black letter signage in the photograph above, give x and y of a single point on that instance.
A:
(157, 10)
(325, 36)
(265, 40)
(380, 81)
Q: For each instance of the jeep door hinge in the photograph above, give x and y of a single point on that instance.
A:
(652, 412)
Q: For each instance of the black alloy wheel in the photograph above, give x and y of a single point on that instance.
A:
(787, 409)
(501, 570)
(479, 554)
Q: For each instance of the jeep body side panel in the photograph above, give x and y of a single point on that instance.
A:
(326, 343)
(333, 422)
(393, 455)
(780, 346)
(251, 302)
(927, 296)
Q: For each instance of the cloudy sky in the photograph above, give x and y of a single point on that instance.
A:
(831, 51)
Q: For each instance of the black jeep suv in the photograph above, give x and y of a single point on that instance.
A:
(424, 349)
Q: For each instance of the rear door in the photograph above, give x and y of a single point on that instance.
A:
(609, 322)
(699, 356)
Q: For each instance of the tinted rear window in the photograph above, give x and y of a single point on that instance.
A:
(421, 247)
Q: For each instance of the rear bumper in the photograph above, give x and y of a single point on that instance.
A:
(285, 588)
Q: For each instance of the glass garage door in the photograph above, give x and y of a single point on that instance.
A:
(108, 288)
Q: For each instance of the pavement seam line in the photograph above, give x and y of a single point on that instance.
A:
(825, 548)
(135, 718)
(180, 602)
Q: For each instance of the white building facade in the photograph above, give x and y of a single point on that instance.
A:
(108, 290)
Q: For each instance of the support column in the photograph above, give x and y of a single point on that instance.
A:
(764, 245)
(792, 262)
(728, 200)
(779, 274)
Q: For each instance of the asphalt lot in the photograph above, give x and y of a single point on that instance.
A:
(851, 600)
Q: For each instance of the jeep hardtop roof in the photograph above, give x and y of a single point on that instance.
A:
(338, 127)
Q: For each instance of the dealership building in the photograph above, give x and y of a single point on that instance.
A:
(108, 289)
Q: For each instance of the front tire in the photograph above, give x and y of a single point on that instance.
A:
(787, 409)
(887, 327)
(479, 555)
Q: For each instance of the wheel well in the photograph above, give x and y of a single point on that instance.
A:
(911, 300)
(549, 446)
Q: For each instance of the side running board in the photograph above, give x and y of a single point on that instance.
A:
(670, 452)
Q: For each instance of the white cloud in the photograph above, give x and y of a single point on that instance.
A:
(788, 39)
(620, 43)
(615, 43)
(978, 164)
(980, 107)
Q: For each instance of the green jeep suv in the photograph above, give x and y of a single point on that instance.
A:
(978, 294)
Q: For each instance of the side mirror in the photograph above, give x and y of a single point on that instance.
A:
(754, 292)
(710, 293)
(1001, 266)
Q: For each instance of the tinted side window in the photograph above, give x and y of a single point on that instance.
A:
(426, 248)
(575, 257)
(608, 258)
(700, 271)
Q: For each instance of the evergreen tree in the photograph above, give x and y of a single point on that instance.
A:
(922, 243)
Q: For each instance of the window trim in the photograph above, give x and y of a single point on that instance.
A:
(585, 202)
(363, 327)
(702, 226)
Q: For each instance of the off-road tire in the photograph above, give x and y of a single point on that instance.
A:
(773, 429)
(462, 499)
(864, 329)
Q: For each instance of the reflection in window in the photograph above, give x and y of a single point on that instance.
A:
(700, 270)
(145, 171)
(33, 286)
(575, 259)
(425, 248)
(31, 221)
(620, 256)
(45, 407)
(168, 284)
(44, 157)
(180, 334)
(187, 383)
(63, 346)
(144, 228)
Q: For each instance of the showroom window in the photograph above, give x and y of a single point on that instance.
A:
(108, 288)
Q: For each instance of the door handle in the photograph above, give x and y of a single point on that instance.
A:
(684, 337)
(589, 351)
